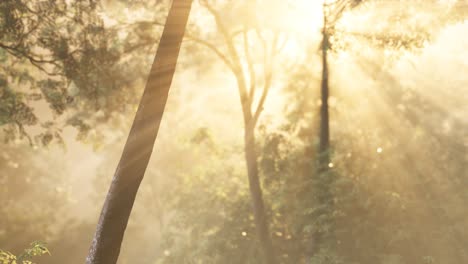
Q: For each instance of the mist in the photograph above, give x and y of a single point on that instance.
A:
(398, 138)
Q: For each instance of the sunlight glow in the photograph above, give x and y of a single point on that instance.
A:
(306, 16)
(294, 16)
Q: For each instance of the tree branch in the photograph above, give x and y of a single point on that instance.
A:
(36, 62)
(250, 67)
(236, 61)
(268, 73)
(213, 48)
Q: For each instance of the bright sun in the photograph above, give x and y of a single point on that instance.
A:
(302, 18)
(299, 16)
(306, 16)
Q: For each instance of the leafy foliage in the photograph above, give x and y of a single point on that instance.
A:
(36, 249)
(62, 55)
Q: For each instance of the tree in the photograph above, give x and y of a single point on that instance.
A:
(395, 40)
(60, 54)
(242, 62)
(106, 244)
(331, 12)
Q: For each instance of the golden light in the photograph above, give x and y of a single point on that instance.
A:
(303, 17)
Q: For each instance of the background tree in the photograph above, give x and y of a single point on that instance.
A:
(412, 39)
(331, 13)
(254, 77)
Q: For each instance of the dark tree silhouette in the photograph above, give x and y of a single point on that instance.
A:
(324, 91)
(332, 11)
(115, 213)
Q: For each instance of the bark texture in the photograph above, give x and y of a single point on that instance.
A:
(119, 201)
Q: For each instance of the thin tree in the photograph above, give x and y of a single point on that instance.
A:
(253, 94)
(119, 201)
(332, 11)
(324, 94)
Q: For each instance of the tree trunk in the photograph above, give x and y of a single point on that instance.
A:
(261, 222)
(324, 117)
(119, 201)
(324, 178)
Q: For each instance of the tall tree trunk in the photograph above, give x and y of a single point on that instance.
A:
(261, 222)
(110, 230)
(324, 177)
(324, 117)
(235, 63)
